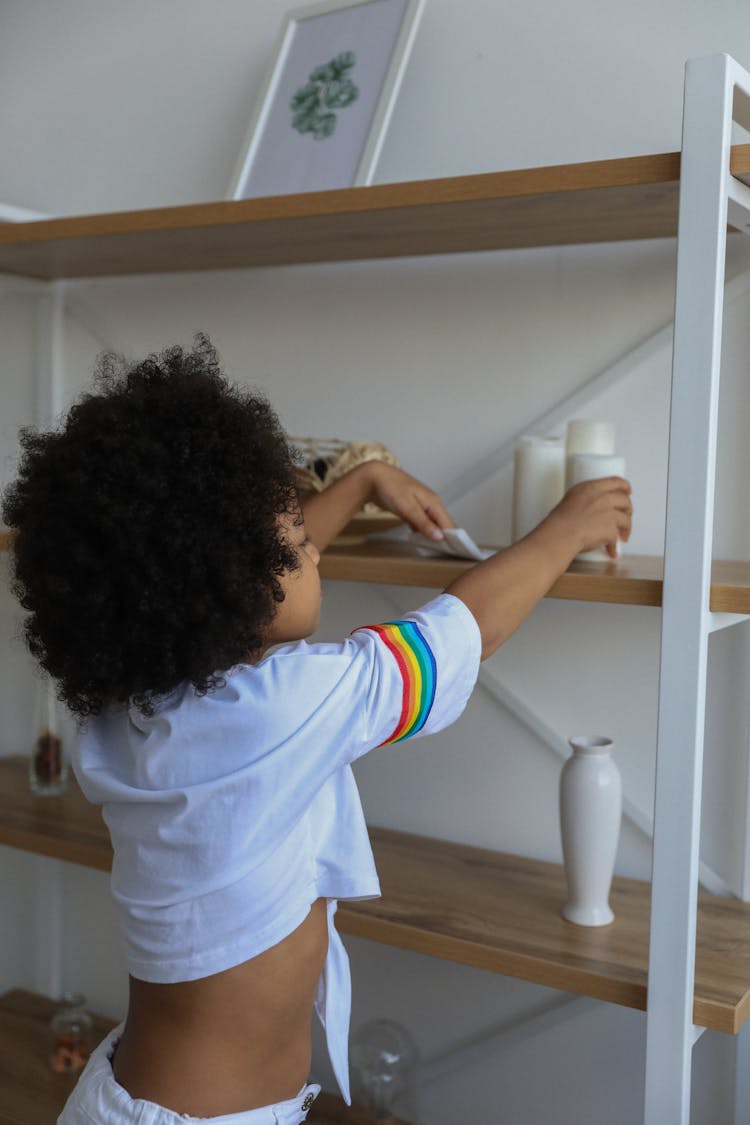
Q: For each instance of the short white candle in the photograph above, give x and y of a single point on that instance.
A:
(585, 436)
(593, 466)
(538, 481)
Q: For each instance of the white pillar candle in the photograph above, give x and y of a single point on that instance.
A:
(538, 481)
(593, 466)
(584, 436)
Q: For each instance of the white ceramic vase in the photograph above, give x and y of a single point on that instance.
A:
(590, 814)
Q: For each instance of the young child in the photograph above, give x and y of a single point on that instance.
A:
(161, 554)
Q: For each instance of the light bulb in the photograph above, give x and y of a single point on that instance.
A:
(383, 1056)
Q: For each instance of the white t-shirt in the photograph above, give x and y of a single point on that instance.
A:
(231, 813)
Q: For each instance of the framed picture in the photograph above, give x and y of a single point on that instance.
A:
(327, 100)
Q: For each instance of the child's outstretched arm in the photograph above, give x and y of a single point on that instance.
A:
(327, 512)
(502, 591)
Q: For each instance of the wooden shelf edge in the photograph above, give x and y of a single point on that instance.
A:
(604, 964)
(632, 580)
(621, 171)
(726, 1019)
(740, 1016)
(620, 199)
(625, 171)
(521, 966)
(40, 843)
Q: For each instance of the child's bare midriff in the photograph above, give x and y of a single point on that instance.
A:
(229, 1042)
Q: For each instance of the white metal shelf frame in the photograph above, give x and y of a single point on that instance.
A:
(717, 92)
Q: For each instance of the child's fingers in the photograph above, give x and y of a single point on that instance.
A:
(423, 524)
(604, 484)
(624, 520)
(438, 513)
(610, 484)
(420, 519)
(623, 534)
(416, 504)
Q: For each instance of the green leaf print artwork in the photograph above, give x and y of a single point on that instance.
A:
(329, 87)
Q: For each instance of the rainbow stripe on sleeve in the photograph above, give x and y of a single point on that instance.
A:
(418, 672)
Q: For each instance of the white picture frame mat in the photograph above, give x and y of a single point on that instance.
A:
(383, 108)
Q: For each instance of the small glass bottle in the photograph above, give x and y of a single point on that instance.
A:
(384, 1059)
(48, 770)
(71, 1027)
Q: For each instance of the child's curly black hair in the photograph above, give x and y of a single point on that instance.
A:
(148, 546)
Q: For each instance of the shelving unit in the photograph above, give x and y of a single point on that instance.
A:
(500, 912)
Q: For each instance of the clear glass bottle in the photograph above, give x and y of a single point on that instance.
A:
(48, 768)
(384, 1058)
(71, 1027)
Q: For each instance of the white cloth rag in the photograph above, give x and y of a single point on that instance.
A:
(456, 542)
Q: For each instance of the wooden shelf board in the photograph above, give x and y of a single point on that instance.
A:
(630, 580)
(502, 913)
(493, 911)
(65, 827)
(599, 201)
(30, 1091)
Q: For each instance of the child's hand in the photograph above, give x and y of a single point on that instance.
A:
(405, 496)
(597, 512)
(503, 590)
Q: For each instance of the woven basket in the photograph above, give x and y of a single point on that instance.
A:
(325, 460)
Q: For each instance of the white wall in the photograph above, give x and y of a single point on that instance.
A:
(124, 106)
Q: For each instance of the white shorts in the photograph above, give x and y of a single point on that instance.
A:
(99, 1099)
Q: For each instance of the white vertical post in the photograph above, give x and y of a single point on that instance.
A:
(49, 951)
(741, 1107)
(49, 355)
(704, 182)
